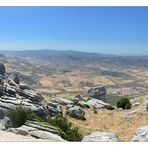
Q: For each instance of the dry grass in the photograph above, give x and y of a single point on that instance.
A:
(113, 121)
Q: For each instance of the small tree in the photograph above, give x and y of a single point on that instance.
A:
(19, 115)
(124, 103)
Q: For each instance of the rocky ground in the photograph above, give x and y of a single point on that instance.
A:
(78, 109)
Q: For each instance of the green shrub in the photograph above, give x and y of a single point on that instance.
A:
(67, 131)
(124, 103)
(19, 115)
(109, 107)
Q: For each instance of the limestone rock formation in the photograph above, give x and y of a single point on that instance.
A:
(101, 137)
(63, 101)
(98, 92)
(37, 130)
(97, 103)
(13, 94)
(141, 135)
(76, 112)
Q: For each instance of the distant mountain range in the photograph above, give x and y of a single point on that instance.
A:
(67, 57)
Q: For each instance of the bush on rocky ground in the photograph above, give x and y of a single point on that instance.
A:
(124, 103)
(68, 132)
(19, 115)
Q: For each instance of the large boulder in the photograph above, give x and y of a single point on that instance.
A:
(2, 69)
(97, 103)
(101, 137)
(76, 112)
(145, 101)
(141, 135)
(98, 92)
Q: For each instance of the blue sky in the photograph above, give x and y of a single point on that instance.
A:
(111, 30)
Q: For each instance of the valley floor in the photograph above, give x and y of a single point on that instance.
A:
(123, 123)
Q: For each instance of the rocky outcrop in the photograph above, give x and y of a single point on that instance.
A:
(63, 101)
(13, 94)
(38, 130)
(2, 69)
(97, 103)
(83, 104)
(141, 135)
(78, 98)
(101, 137)
(97, 92)
(54, 108)
(76, 112)
(145, 102)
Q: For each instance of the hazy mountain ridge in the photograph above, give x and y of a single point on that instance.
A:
(68, 57)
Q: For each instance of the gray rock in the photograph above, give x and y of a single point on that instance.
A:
(98, 92)
(76, 112)
(47, 136)
(145, 102)
(40, 111)
(37, 130)
(23, 130)
(63, 101)
(97, 103)
(78, 98)
(69, 106)
(41, 126)
(2, 127)
(8, 98)
(54, 110)
(11, 91)
(29, 94)
(83, 104)
(6, 122)
(141, 135)
(101, 137)
(24, 86)
(135, 102)
(6, 105)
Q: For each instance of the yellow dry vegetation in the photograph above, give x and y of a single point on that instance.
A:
(113, 121)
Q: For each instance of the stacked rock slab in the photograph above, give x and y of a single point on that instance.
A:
(12, 94)
(38, 130)
(97, 92)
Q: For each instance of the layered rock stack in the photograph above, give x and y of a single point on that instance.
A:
(97, 92)
(13, 94)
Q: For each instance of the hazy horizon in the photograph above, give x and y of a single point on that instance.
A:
(104, 30)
